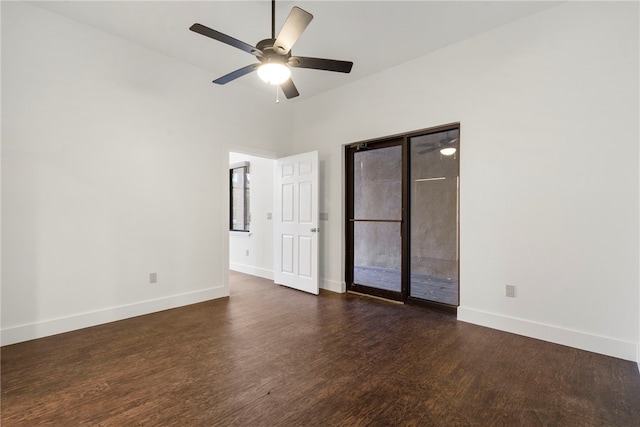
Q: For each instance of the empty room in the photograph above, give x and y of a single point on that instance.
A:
(331, 213)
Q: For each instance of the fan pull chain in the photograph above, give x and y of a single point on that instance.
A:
(277, 95)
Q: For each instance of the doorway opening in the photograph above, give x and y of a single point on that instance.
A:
(402, 211)
(250, 214)
(273, 218)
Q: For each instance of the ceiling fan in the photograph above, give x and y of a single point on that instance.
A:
(447, 145)
(274, 53)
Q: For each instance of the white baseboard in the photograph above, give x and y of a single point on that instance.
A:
(250, 269)
(333, 286)
(598, 344)
(60, 325)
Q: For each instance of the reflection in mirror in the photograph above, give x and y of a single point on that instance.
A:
(434, 186)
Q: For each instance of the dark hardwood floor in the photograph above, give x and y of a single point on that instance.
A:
(272, 356)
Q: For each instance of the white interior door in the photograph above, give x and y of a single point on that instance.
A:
(296, 222)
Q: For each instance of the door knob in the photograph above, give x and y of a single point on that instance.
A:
(315, 230)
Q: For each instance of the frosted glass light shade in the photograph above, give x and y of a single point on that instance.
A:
(274, 73)
(448, 151)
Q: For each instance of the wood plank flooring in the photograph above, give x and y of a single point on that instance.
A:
(272, 356)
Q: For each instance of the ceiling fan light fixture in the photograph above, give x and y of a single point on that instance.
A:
(274, 73)
(274, 53)
(449, 151)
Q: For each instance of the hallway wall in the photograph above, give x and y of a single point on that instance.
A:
(252, 253)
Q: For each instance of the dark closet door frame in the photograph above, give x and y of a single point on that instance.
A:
(389, 141)
(351, 150)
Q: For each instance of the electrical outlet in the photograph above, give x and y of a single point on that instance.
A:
(153, 278)
(246, 252)
(268, 215)
(510, 291)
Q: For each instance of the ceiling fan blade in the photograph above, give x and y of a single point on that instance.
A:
(217, 35)
(320, 64)
(289, 89)
(429, 149)
(237, 73)
(293, 27)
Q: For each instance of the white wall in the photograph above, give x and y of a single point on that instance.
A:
(549, 168)
(114, 163)
(252, 253)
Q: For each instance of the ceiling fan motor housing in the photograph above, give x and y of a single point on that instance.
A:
(270, 53)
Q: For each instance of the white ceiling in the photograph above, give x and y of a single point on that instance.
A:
(375, 35)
